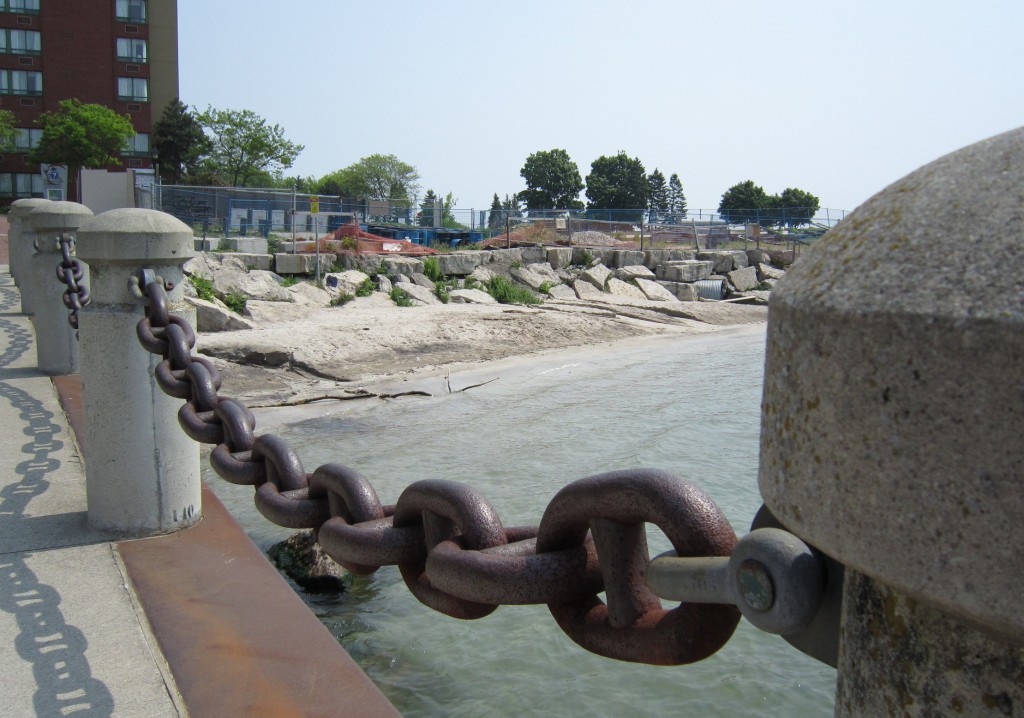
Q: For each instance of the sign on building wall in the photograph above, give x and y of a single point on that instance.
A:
(55, 181)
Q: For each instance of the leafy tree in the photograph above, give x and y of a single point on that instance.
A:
(82, 135)
(8, 131)
(617, 182)
(179, 141)
(795, 206)
(244, 145)
(676, 199)
(379, 177)
(742, 202)
(552, 181)
(657, 200)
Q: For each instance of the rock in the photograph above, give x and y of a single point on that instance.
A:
(627, 258)
(347, 282)
(597, 275)
(619, 288)
(533, 255)
(309, 294)
(587, 291)
(527, 276)
(561, 291)
(423, 280)
(725, 260)
(482, 275)
(758, 256)
(384, 284)
(634, 271)
(420, 294)
(402, 265)
(367, 263)
(758, 297)
(213, 317)
(654, 291)
(257, 284)
(470, 296)
(301, 263)
(544, 270)
(743, 279)
(683, 291)
(301, 559)
(767, 271)
(459, 264)
(685, 271)
(559, 257)
(266, 313)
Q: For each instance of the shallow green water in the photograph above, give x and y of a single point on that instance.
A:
(688, 405)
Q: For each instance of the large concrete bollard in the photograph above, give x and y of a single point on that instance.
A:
(20, 237)
(56, 343)
(892, 420)
(142, 471)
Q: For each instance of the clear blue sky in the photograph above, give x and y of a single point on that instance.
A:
(838, 99)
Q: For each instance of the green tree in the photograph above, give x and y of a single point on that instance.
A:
(795, 207)
(676, 199)
(244, 145)
(380, 177)
(82, 135)
(430, 202)
(552, 181)
(744, 202)
(618, 182)
(179, 141)
(8, 131)
(496, 217)
(657, 200)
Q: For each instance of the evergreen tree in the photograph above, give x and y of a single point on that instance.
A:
(179, 141)
(676, 199)
(430, 201)
(657, 200)
(496, 217)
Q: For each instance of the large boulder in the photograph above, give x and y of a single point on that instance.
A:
(563, 292)
(627, 258)
(743, 279)
(618, 288)
(545, 270)
(654, 291)
(309, 294)
(347, 282)
(402, 265)
(470, 296)
(215, 317)
(423, 280)
(257, 284)
(633, 272)
(725, 260)
(559, 257)
(420, 294)
(767, 271)
(685, 271)
(587, 291)
(597, 275)
(533, 280)
(459, 264)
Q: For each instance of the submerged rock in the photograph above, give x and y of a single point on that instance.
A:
(301, 559)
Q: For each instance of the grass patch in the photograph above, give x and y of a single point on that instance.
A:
(508, 293)
(399, 297)
(204, 288)
(290, 281)
(366, 288)
(586, 258)
(432, 268)
(342, 298)
(235, 302)
(545, 287)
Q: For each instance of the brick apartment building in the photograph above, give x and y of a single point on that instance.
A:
(122, 54)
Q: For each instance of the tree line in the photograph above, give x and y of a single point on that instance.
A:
(239, 148)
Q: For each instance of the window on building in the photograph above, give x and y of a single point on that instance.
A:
(133, 88)
(132, 49)
(25, 138)
(137, 145)
(24, 6)
(131, 10)
(22, 42)
(21, 184)
(25, 82)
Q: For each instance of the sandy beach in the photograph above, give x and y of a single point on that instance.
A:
(372, 343)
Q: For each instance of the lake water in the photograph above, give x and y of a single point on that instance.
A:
(689, 405)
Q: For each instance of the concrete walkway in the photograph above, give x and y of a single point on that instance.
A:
(92, 626)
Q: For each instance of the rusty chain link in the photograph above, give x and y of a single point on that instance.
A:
(449, 544)
(70, 272)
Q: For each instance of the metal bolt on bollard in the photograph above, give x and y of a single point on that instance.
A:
(56, 343)
(142, 472)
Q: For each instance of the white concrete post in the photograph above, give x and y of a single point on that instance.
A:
(19, 244)
(56, 343)
(892, 420)
(142, 471)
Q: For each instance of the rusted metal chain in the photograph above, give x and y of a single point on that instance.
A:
(451, 547)
(70, 272)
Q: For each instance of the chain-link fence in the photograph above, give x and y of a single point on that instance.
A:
(240, 212)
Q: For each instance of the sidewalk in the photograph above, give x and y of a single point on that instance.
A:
(91, 626)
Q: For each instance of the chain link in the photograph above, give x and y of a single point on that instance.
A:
(451, 547)
(70, 272)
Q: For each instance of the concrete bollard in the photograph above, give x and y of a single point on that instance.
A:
(142, 471)
(19, 245)
(891, 433)
(56, 343)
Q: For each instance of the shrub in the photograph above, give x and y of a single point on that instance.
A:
(545, 287)
(506, 292)
(443, 291)
(348, 243)
(342, 298)
(366, 288)
(204, 287)
(586, 258)
(235, 302)
(290, 281)
(224, 245)
(399, 297)
(432, 268)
